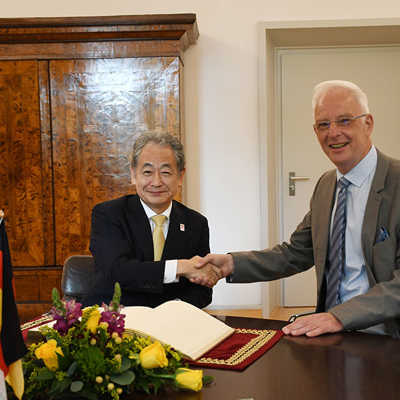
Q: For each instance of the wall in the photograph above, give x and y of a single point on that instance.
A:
(220, 104)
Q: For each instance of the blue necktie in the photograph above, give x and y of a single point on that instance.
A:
(336, 256)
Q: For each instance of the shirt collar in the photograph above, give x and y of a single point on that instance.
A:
(150, 213)
(362, 170)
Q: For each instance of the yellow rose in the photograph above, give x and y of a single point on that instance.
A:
(93, 321)
(189, 378)
(153, 356)
(48, 353)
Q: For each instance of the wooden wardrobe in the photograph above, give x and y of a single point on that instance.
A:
(74, 95)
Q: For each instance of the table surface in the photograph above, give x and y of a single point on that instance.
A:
(344, 366)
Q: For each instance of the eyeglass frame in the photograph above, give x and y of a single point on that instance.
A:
(344, 125)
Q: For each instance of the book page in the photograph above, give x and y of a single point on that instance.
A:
(183, 326)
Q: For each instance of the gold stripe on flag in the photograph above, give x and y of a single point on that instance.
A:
(15, 378)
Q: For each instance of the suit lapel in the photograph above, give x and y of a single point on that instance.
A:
(176, 237)
(322, 221)
(370, 222)
(140, 227)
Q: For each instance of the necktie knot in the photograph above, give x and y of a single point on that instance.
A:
(344, 183)
(159, 219)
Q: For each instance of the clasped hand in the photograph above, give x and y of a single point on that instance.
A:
(208, 270)
(196, 271)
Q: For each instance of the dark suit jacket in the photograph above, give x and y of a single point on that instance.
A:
(122, 246)
(308, 246)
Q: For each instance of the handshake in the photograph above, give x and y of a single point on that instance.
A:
(206, 271)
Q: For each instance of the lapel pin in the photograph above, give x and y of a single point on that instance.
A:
(182, 227)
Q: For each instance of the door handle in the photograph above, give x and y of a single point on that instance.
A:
(292, 182)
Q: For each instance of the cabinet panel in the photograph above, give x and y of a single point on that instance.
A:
(23, 190)
(98, 108)
(33, 287)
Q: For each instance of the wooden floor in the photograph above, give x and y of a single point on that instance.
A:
(279, 313)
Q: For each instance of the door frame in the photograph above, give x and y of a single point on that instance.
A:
(295, 35)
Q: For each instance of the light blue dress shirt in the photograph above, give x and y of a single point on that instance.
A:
(355, 280)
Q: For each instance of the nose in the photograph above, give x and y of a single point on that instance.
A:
(333, 129)
(156, 179)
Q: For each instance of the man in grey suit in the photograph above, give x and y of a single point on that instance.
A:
(352, 236)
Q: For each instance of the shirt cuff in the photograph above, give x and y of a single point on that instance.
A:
(170, 271)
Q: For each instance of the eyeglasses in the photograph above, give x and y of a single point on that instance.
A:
(343, 122)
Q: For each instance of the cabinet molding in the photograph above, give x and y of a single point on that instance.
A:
(115, 36)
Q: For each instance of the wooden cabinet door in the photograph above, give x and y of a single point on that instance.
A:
(25, 179)
(98, 108)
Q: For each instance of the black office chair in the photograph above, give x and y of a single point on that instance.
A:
(77, 277)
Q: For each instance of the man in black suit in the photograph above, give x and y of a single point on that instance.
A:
(123, 229)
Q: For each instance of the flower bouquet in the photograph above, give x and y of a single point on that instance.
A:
(87, 355)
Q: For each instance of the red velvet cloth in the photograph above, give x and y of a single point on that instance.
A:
(239, 350)
(34, 323)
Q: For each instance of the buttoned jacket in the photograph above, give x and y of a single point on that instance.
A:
(122, 246)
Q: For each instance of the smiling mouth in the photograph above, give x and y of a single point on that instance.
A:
(337, 146)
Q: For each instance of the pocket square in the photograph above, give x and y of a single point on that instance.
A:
(382, 235)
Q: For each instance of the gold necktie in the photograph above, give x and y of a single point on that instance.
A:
(158, 236)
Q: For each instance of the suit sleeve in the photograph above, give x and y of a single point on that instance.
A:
(283, 260)
(198, 295)
(115, 257)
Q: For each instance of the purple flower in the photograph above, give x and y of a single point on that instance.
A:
(114, 319)
(61, 326)
(73, 313)
(67, 317)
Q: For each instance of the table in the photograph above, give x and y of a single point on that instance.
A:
(343, 366)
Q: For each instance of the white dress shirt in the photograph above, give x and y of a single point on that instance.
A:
(170, 265)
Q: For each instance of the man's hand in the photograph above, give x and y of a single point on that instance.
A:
(314, 325)
(208, 275)
(221, 263)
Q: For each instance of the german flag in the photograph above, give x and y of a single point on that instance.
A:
(12, 346)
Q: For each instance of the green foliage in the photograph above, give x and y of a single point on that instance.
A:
(91, 362)
(57, 302)
(207, 380)
(126, 378)
(76, 386)
(116, 298)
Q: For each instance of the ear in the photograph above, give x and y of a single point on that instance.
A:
(181, 175)
(369, 123)
(369, 120)
(133, 179)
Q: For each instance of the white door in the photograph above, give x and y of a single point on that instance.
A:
(377, 71)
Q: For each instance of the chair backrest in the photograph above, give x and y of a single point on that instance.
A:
(77, 277)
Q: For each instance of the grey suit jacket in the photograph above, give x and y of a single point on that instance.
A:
(308, 246)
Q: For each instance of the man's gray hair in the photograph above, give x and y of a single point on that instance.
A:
(324, 87)
(162, 139)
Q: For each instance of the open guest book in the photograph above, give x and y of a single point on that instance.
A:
(181, 325)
